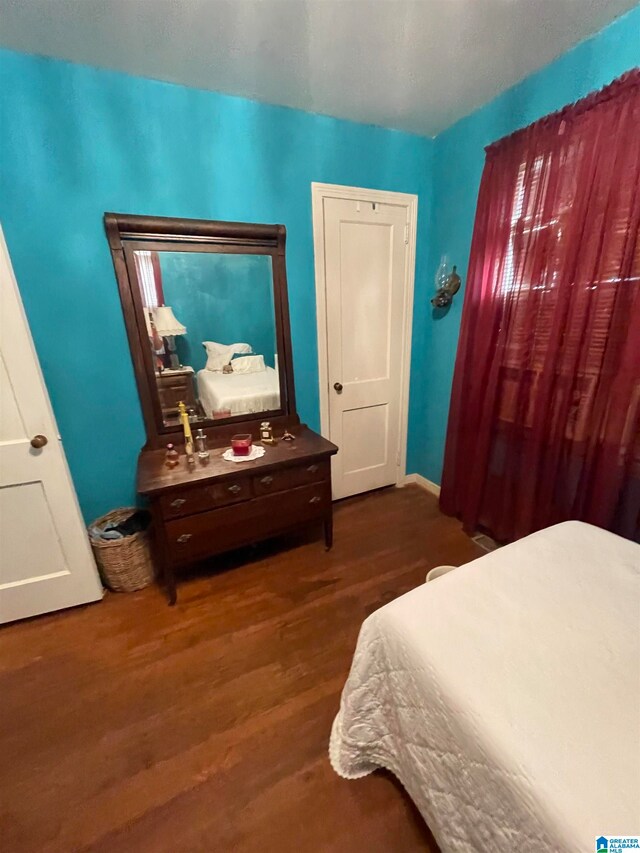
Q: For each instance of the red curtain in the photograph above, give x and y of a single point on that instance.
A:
(157, 277)
(544, 423)
(149, 275)
(149, 278)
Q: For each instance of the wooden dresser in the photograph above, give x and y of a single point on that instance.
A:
(202, 510)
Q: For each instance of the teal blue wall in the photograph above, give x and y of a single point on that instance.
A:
(76, 141)
(457, 168)
(223, 298)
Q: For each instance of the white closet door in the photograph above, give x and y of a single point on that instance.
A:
(364, 260)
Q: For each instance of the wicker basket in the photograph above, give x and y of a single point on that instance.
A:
(125, 564)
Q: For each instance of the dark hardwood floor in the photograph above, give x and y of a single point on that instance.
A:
(132, 726)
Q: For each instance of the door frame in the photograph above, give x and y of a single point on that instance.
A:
(319, 192)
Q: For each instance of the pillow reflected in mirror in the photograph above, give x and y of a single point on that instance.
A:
(248, 364)
(220, 354)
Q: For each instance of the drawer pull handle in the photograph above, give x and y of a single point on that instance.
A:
(184, 537)
(312, 469)
(266, 481)
(178, 502)
(315, 500)
(234, 489)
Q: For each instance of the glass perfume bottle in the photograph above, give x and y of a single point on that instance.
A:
(171, 457)
(266, 433)
(201, 445)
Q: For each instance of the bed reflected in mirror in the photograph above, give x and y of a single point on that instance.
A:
(210, 323)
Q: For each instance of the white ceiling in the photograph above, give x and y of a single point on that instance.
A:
(417, 65)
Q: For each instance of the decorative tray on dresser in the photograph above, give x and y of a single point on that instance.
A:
(205, 509)
(224, 287)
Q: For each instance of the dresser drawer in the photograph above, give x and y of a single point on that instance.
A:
(290, 478)
(187, 501)
(230, 527)
(232, 491)
(202, 498)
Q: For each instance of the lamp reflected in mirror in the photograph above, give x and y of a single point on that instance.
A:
(167, 326)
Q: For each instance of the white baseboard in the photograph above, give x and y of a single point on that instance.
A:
(419, 480)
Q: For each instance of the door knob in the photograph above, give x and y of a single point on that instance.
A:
(39, 441)
(338, 387)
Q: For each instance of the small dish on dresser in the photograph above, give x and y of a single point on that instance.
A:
(241, 444)
(256, 452)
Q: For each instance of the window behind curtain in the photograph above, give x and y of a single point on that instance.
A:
(534, 269)
(544, 422)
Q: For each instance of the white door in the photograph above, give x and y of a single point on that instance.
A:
(364, 245)
(45, 557)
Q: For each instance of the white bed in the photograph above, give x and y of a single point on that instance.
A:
(505, 696)
(240, 393)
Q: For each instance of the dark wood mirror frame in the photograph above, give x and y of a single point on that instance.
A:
(125, 234)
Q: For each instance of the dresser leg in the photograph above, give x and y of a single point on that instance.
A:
(328, 532)
(170, 581)
(159, 550)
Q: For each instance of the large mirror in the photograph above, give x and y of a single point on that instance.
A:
(211, 327)
(207, 317)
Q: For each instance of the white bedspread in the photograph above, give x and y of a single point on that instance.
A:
(506, 696)
(241, 393)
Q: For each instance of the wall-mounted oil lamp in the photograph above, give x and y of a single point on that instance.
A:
(447, 286)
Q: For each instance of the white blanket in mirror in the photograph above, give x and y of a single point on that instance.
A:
(240, 393)
(505, 696)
